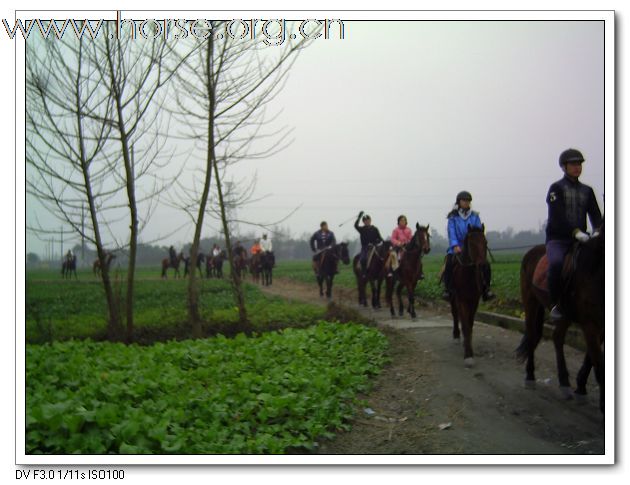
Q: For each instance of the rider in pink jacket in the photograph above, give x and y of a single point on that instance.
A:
(401, 235)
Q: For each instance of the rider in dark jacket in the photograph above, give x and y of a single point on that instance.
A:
(369, 235)
(321, 239)
(569, 202)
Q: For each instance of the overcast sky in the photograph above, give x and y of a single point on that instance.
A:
(400, 116)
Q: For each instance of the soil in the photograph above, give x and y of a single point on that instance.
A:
(426, 401)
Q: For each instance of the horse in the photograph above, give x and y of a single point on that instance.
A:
(582, 299)
(96, 267)
(68, 267)
(267, 262)
(409, 271)
(214, 265)
(375, 273)
(200, 259)
(240, 261)
(168, 263)
(467, 285)
(326, 264)
(255, 266)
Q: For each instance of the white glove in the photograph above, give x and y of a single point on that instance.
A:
(595, 234)
(582, 236)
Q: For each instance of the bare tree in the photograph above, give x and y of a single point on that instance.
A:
(67, 150)
(226, 84)
(100, 102)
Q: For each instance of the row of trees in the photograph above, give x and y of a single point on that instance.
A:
(117, 126)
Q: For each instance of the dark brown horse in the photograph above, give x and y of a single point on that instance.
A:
(200, 259)
(168, 263)
(255, 267)
(68, 267)
(326, 266)
(409, 271)
(375, 273)
(240, 261)
(467, 285)
(96, 267)
(582, 300)
(214, 265)
(267, 262)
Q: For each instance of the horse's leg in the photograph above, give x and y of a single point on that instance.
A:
(559, 334)
(411, 296)
(594, 348)
(465, 316)
(534, 319)
(320, 282)
(582, 377)
(329, 284)
(379, 284)
(389, 295)
(456, 332)
(401, 311)
(374, 293)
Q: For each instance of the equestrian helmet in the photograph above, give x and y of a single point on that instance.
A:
(570, 156)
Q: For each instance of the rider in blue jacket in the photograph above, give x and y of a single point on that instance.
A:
(458, 221)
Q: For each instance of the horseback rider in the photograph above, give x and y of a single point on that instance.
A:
(256, 248)
(460, 217)
(172, 255)
(69, 256)
(238, 250)
(401, 235)
(216, 250)
(370, 235)
(267, 247)
(569, 202)
(321, 240)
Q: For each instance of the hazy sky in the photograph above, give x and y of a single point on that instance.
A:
(400, 116)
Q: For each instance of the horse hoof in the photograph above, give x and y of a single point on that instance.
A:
(566, 392)
(457, 340)
(530, 384)
(469, 362)
(580, 398)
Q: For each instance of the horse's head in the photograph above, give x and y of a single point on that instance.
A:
(422, 238)
(476, 245)
(343, 253)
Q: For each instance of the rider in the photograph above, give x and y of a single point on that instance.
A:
(321, 240)
(569, 202)
(239, 250)
(172, 255)
(369, 235)
(216, 250)
(267, 247)
(458, 221)
(256, 248)
(401, 235)
(69, 256)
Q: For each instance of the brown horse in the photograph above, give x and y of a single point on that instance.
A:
(240, 261)
(326, 266)
(467, 284)
(68, 267)
(375, 273)
(255, 267)
(214, 265)
(96, 267)
(409, 271)
(582, 300)
(267, 262)
(168, 263)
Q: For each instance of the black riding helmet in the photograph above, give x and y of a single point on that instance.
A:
(463, 195)
(366, 217)
(569, 156)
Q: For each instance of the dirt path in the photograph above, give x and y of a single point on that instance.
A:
(485, 409)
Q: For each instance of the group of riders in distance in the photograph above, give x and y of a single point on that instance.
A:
(565, 275)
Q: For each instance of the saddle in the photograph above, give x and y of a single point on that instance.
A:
(540, 273)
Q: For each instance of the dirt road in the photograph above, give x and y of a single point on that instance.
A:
(426, 401)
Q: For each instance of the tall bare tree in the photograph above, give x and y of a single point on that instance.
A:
(101, 101)
(226, 85)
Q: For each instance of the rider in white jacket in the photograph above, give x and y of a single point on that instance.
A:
(265, 244)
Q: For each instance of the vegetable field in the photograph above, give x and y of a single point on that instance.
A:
(269, 394)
